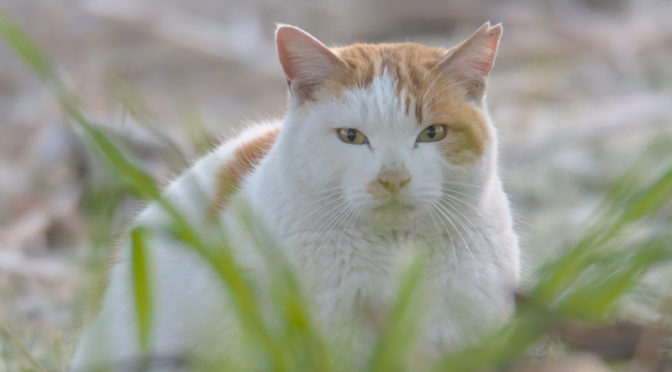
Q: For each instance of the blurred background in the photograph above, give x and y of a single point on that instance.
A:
(579, 90)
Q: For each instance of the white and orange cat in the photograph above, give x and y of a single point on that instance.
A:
(384, 148)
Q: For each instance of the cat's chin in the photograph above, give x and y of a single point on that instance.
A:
(391, 214)
(393, 206)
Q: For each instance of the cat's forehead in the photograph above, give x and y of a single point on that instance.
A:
(408, 53)
(410, 61)
(411, 66)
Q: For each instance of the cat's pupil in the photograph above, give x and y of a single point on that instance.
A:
(352, 134)
(431, 132)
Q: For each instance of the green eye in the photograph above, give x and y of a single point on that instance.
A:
(352, 135)
(432, 133)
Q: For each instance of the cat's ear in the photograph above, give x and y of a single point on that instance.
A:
(306, 61)
(470, 62)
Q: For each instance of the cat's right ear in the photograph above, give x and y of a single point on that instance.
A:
(470, 62)
(306, 61)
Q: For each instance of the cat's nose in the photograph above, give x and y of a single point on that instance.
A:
(394, 180)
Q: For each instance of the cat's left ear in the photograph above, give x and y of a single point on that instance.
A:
(469, 63)
(306, 61)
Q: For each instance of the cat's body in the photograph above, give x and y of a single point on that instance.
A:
(385, 149)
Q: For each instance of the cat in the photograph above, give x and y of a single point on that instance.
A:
(385, 149)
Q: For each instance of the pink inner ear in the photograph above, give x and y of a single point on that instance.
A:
(490, 41)
(470, 62)
(302, 55)
(480, 49)
(307, 63)
(284, 36)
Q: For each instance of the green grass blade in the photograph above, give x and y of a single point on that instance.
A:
(143, 185)
(619, 215)
(397, 337)
(588, 280)
(303, 342)
(25, 48)
(142, 287)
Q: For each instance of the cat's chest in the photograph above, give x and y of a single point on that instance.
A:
(354, 264)
(347, 273)
(354, 249)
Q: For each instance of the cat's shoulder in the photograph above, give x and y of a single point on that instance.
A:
(252, 140)
(240, 155)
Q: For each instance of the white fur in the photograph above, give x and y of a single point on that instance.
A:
(345, 247)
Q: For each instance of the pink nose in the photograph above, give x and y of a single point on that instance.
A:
(394, 181)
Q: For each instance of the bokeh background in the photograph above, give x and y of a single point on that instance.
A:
(580, 88)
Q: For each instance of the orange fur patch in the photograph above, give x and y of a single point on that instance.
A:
(246, 157)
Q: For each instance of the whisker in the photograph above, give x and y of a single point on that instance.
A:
(339, 187)
(457, 231)
(450, 212)
(334, 217)
(323, 204)
(445, 228)
(462, 200)
(462, 220)
(323, 212)
(458, 183)
(450, 199)
(462, 195)
(349, 222)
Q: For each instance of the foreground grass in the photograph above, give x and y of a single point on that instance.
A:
(586, 284)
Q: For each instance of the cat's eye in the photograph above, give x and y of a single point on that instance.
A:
(433, 133)
(352, 135)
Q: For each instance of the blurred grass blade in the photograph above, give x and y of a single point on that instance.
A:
(597, 294)
(306, 344)
(24, 352)
(143, 185)
(196, 128)
(142, 287)
(657, 154)
(135, 178)
(621, 214)
(396, 339)
(138, 109)
(589, 279)
(650, 200)
(500, 348)
(25, 48)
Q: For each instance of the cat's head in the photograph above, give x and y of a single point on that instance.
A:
(388, 127)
